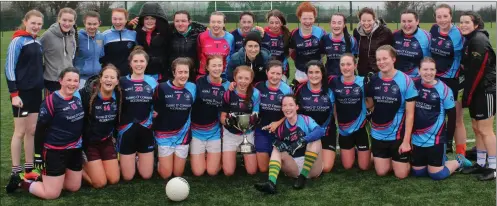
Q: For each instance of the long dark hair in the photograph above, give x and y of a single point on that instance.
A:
(475, 18)
(324, 79)
(346, 35)
(96, 90)
(250, 89)
(284, 29)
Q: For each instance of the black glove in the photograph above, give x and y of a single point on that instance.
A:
(230, 120)
(254, 119)
(39, 163)
(296, 146)
(280, 146)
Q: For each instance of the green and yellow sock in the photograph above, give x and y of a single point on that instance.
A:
(274, 170)
(309, 159)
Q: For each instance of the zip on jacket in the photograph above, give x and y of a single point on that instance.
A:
(89, 53)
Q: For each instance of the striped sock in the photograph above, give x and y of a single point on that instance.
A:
(491, 162)
(28, 167)
(16, 169)
(274, 170)
(310, 157)
(481, 157)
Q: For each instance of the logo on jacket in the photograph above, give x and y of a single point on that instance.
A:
(187, 96)
(100, 43)
(130, 45)
(415, 45)
(394, 89)
(448, 44)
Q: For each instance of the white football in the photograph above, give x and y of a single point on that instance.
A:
(177, 189)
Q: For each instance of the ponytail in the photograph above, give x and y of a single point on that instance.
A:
(348, 43)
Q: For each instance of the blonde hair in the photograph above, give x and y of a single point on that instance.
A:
(67, 10)
(121, 10)
(28, 15)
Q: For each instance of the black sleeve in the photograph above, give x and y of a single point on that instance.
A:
(40, 132)
(451, 123)
(159, 102)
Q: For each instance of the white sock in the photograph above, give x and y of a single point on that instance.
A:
(491, 162)
(481, 157)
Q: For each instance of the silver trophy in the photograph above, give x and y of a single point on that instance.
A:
(243, 124)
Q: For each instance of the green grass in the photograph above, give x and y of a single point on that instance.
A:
(337, 188)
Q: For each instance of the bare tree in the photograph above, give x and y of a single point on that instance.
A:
(24, 6)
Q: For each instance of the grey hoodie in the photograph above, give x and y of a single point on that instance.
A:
(58, 51)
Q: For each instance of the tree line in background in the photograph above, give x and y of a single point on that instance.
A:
(11, 17)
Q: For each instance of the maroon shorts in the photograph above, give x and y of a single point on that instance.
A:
(103, 150)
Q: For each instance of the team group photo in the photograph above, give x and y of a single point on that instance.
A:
(248, 103)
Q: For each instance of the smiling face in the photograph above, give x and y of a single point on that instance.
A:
(252, 49)
(246, 23)
(274, 24)
(216, 24)
(181, 74)
(92, 24)
(69, 83)
(466, 24)
(289, 107)
(314, 74)
(347, 66)
(274, 75)
(66, 22)
(409, 23)
(149, 22)
(337, 25)
(108, 80)
(138, 64)
(33, 24)
(243, 79)
(427, 71)
(367, 22)
(215, 67)
(443, 18)
(384, 61)
(307, 19)
(118, 20)
(181, 22)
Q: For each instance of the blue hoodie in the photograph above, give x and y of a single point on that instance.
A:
(90, 49)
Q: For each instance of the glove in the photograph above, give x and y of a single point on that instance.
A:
(296, 146)
(280, 146)
(230, 121)
(39, 163)
(254, 118)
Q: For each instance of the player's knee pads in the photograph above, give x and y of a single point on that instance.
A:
(420, 173)
(440, 175)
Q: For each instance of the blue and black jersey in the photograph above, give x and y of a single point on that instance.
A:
(239, 38)
(233, 102)
(390, 97)
(117, 47)
(24, 63)
(350, 103)
(316, 104)
(306, 47)
(137, 106)
(446, 50)
(173, 106)
(334, 49)
(207, 107)
(276, 44)
(410, 50)
(60, 123)
(429, 127)
(270, 106)
(102, 120)
(288, 133)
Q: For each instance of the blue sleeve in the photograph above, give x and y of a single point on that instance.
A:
(354, 48)
(314, 131)
(256, 100)
(230, 67)
(410, 91)
(46, 113)
(226, 85)
(192, 89)
(457, 41)
(332, 97)
(448, 98)
(13, 53)
(285, 89)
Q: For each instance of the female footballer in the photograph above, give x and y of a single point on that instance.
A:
(246, 25)
(173, 105)
(243, 100)
(276, 38)
(391, 95)
(135, 136)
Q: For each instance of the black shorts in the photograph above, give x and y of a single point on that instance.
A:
(388, 149)
(103, 150)
(329, 140)
(51, 86)
(482, 105)
(358, 139)
(432, 156)
(136, 139)
(453, 84)
(31, 100)
(57, 161)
